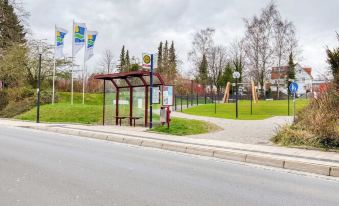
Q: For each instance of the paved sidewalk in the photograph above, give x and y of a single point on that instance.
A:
(242, 131)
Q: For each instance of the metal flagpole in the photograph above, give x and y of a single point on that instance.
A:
(72, 64)
(83, 70)
(83, 83)
(55, 44)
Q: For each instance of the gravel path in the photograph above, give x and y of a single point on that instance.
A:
(243, 131)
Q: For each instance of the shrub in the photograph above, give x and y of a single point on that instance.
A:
(316, 125)
(3, 99)
(15, 108)
(19, 93)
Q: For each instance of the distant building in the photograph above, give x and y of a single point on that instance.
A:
(303, 77)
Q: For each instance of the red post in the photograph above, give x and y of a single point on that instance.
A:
(146, 106)
(130, 105)
(117, 107)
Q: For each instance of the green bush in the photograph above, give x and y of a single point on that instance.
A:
(15, 108)
(19, 93)
(3, 99)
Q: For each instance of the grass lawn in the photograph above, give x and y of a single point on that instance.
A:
(183, 127)
(261, 110)
(91, 113)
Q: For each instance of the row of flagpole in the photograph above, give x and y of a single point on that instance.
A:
(81, 37)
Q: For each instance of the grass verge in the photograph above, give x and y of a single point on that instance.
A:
(260, 110)
(181, 127)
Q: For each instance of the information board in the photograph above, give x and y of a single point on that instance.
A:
(168, 96)
(156, 95)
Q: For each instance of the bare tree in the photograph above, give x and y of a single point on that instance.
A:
(259, 44)
(107, 61)
(216, 59)
(285, 44)
(237, 56)
(201, 44)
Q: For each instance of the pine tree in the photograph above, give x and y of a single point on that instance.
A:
(159, 69)
(172, 62)
(11, 30)
(333, 61)
(202, 76)
(122, 59)
(127, 62)
(291, 70)
(165, 57)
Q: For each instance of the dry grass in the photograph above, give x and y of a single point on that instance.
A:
(317, 124)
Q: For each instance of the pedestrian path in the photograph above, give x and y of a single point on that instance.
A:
(242, 131)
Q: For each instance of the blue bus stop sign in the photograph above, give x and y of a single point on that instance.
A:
(293, 87)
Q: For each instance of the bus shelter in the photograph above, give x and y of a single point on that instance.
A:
(129, 81)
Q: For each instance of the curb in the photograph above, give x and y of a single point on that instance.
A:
(319, 169)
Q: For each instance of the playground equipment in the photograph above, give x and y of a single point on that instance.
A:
(254, 94)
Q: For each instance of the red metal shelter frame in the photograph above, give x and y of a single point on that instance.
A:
(129, 80)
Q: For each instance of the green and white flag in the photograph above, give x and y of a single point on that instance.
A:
(79, 32)
(91, 38)
(60, 34)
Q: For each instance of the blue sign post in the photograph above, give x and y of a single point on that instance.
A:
(151, 95)
(293, 89)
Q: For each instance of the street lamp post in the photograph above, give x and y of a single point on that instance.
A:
(236, 76)
(38, 90)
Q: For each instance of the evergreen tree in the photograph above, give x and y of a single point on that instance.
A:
(165, 57)
(122, 59)
(172, 62)
(11, 30)
(202, 76)
(333, 61)
(227, 75)
(159, 69)
(291, 70)
(127, 62)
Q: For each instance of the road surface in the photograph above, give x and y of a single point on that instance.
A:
(40, 168)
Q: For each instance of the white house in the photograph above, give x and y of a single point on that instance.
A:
(303, 77)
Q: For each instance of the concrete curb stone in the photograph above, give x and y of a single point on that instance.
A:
(172, 147)
(153, 144)
(307, 167)
(199, 151)
(229, 155)
(267, 161)
(132, 141)
(334, 171)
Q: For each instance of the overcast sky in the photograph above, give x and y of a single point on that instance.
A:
(141, 24)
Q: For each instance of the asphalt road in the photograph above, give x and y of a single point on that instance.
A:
(40, 168)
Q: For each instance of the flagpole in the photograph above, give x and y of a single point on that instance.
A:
(83, 70)
(83, 83)
(72, 64)
(53, 95)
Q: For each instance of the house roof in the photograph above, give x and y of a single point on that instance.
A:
(282, 72)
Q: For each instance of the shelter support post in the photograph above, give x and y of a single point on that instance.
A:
(104, 103)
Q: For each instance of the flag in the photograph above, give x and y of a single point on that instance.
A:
(91, 37)
(79, 31)
(60, 34)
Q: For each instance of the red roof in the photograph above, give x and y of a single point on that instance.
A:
(283, 72)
